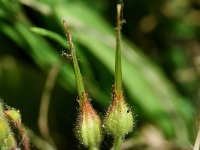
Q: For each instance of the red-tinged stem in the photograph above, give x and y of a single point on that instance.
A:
(78, 77)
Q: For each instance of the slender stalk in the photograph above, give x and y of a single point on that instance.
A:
(45, 102)
(117, 143)
(118, 66)
(79, 81)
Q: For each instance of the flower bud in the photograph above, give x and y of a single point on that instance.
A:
(89, 125)
(119, 118)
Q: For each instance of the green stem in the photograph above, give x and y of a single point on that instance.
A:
(78, 77)
(93, 148)
(117, 143)
(118, 66)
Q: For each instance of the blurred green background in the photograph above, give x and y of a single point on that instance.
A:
(161, 66)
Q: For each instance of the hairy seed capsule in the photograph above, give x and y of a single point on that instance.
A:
(119, 118)
(9, 143)
(88, 129)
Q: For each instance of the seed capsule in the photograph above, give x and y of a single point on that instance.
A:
(119, 118)
(9, 143)
(89, 125)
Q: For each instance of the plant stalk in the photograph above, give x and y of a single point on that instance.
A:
(118, 66)
(117, 143)
(45, 103)
(79, 80)
(93, 148)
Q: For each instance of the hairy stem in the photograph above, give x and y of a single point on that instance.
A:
(117, 143)
(93, 148)
(79, 81)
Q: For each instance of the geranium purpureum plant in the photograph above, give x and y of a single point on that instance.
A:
(88, 128)
(119, 118)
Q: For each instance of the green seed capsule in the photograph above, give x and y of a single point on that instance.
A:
(89, 126)
(119, 118)
(9, 143)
